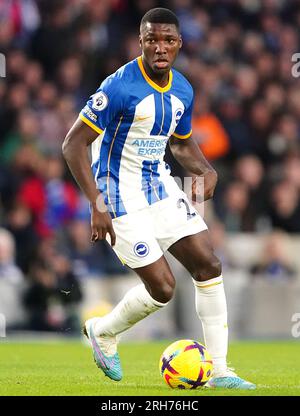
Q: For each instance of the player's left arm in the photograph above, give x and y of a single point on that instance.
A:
(188, 154)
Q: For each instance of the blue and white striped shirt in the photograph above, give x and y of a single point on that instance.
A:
(135, 119)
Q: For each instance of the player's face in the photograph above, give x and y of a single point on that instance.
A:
(160, 43)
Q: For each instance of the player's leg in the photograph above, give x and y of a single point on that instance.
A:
(137, 247)
(195, 253)
(140, 301)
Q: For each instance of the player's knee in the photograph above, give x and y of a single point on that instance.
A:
(164, 292)
(209, 268)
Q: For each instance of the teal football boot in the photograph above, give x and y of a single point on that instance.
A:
(104, 351)
(229, 380)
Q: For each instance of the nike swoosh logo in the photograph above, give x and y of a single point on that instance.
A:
(139, 118)
(98, 351)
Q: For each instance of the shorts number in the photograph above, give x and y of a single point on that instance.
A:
(189, 214)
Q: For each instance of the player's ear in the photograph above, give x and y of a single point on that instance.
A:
(140, 40)
(180, 41)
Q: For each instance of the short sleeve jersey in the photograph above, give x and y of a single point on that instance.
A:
(135, 119)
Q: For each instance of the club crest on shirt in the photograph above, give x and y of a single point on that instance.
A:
(178, 115)
(141, 249)
(100, 101)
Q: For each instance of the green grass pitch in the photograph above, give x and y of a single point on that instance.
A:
(67, 369)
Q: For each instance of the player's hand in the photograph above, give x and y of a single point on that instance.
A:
(210, 182)
(101, 224)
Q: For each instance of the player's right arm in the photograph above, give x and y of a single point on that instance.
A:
(75, 152)
(101, 108)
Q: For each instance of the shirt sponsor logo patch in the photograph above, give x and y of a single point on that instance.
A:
(150, 147)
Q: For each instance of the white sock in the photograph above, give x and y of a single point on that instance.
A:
(212, 310)
(135, 305)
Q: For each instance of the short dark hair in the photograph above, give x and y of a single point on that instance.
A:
(160, 15)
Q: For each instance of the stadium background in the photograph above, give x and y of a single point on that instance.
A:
(238, 56)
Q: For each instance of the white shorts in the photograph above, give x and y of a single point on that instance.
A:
(143, 236)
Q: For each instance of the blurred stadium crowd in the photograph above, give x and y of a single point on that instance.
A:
(238, 56)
